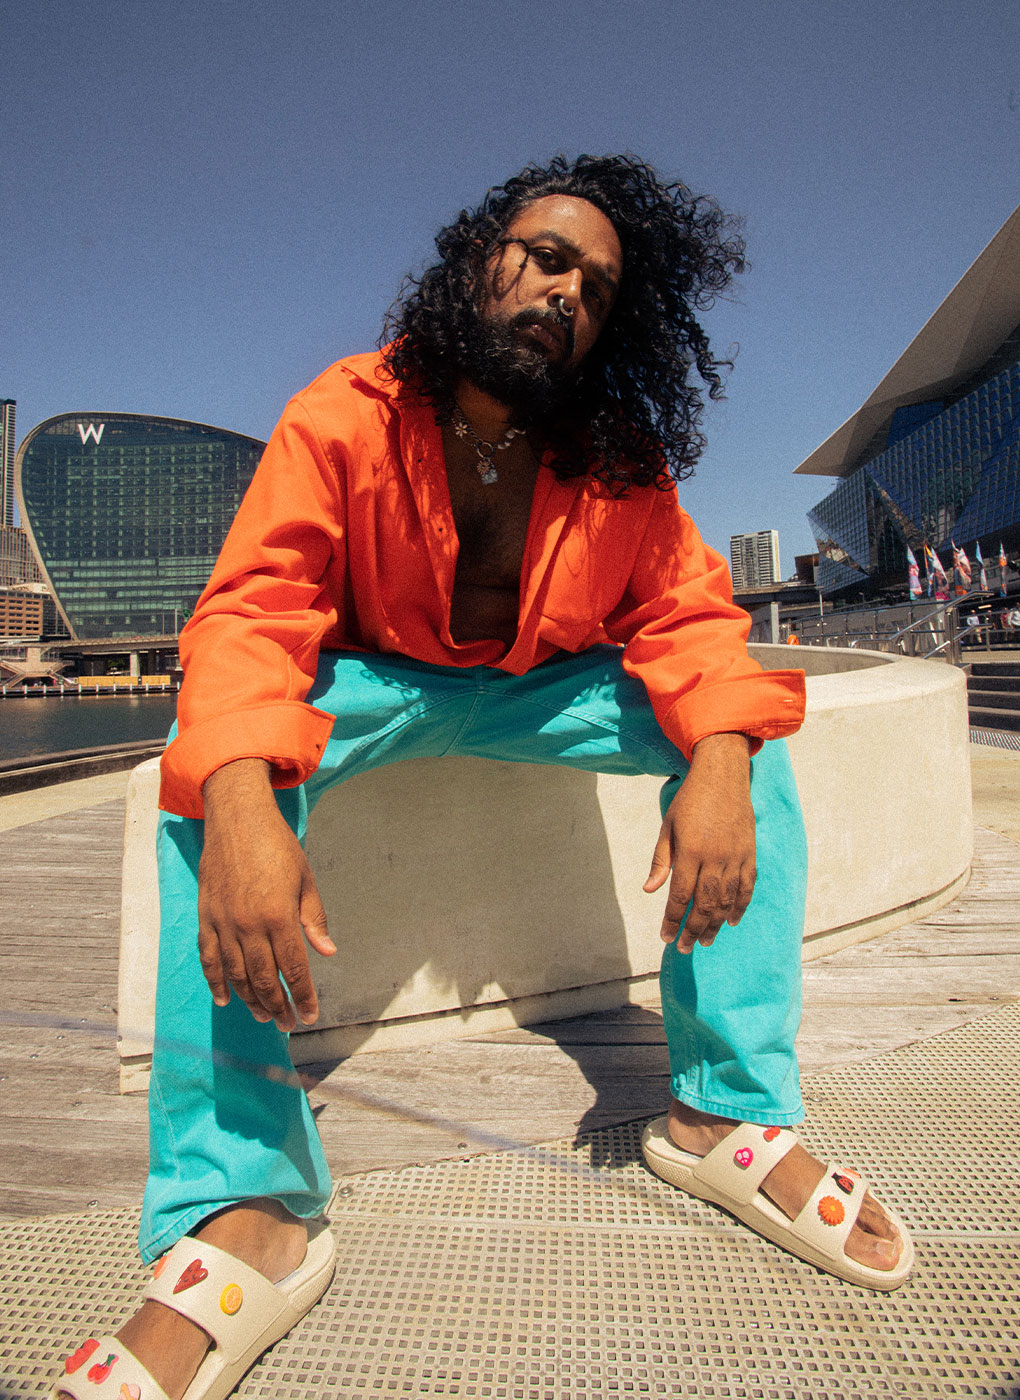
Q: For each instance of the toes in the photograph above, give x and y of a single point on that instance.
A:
(876, 1253)
(874, 1240)
(875, 1221)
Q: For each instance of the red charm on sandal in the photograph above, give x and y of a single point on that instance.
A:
(99, 1372)
(770, 1134)
(193, 1274)
(743, 1157)
(79, 1357)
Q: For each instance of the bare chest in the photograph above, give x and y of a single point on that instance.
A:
(492, 527)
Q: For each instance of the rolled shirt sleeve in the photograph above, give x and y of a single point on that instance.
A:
(685, 639)
(251, 648)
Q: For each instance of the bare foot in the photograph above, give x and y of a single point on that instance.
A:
(171, 1347)
(873, 1241)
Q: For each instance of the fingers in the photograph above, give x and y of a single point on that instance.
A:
(212, 963)
(313, 918)
(704, 893)
(662, 860)
(714, 897)
(251, 966)
(252, 940)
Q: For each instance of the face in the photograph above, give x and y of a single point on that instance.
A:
(553, 279)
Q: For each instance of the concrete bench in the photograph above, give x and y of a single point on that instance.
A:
(468, 896)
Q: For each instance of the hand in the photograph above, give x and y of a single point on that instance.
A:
(256, 894)
(707, 839)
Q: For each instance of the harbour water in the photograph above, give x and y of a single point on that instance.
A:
(47, 725)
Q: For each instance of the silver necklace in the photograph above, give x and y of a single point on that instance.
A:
(484, 451)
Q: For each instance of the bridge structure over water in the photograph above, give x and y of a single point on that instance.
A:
(53, 663)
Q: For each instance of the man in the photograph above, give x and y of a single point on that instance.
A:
(471, 542)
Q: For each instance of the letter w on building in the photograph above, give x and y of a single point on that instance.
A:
(90, 432)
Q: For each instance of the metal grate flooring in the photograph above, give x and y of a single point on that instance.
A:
(568, 1270)
(996, 738)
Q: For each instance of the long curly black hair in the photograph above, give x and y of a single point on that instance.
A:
(633, 414)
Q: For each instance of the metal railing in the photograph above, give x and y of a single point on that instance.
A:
(940, 632)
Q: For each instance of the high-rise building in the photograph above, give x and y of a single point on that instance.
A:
(18, 564)
(754, 559)
(8, 413)
(126, 514)
(933, 455)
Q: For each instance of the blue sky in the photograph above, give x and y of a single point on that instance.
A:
(203, 204)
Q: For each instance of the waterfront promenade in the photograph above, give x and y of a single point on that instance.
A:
(477, 1262)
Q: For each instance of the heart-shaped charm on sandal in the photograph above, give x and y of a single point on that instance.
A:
(193, 1274)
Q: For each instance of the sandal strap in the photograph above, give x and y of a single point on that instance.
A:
(103, 1369)
(740, 1163)
(832, 1209)
(229, 1300)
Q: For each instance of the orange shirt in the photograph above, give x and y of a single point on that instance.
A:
(346, 540)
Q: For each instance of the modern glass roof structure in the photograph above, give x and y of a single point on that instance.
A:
(127, 513)
(933, 455)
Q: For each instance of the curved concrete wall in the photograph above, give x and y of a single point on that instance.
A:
(465, 894)
(883, 771)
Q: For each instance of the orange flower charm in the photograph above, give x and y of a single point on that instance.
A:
(831, 1211)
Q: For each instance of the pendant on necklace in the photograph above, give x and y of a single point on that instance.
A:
(485, 451)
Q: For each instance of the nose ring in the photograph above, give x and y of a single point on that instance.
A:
(562, 307)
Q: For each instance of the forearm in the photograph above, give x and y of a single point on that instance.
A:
(238, 790)
(726, 755)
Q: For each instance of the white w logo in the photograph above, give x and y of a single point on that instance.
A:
(90, 432)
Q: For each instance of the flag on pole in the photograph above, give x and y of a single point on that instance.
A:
(1002, 570)
(961, 571)
(936, 574)
(981, 566)
(913, 573)
(961, 563)
(934, 564)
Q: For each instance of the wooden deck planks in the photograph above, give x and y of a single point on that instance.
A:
(71, 1142)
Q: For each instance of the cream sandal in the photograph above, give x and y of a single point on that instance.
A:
(730, 1175)
(241, 1310)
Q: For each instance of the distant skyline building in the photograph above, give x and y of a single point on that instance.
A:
(8, 415)
(126, 514)
(754, 558)
(933, 455)
(18, 565)
(22, 613)
(21, 582)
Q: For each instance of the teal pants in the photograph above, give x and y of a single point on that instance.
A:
(228, 1117)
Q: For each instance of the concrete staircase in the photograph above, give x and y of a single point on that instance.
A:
(993, 693)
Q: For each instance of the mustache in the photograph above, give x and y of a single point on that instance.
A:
(552, 319)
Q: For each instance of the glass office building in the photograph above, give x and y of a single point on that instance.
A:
(933, 456)
(127, 514)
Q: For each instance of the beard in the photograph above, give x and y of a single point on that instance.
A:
(517, 375)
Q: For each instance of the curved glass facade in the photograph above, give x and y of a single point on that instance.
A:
(949, 471)
(127, 514)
